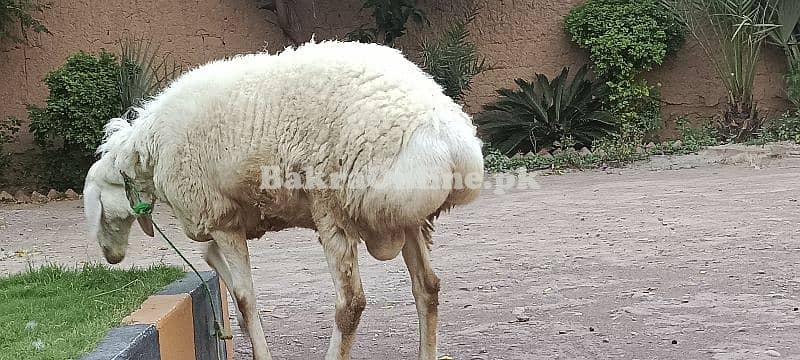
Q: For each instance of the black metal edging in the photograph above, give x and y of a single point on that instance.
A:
(205, 344)
(128, 342)
(140, 342)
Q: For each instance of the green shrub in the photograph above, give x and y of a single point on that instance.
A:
(793, 84)
(452, 60)
(696, 138)
(649, 113)
(362, 35)
(637, 107)
(84, 95)
(625, 38)
(17, 13)
(8, 131)
(784, 128)
(391, 17)
(544, 113)
(495, 161)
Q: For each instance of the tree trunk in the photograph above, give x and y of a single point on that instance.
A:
(740, 121)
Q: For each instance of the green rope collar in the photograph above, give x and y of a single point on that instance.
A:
(142, 208)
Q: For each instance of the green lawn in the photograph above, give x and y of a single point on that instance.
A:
(60, 313)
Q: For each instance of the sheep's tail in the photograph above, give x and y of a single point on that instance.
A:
(444, 147)
(467, 161)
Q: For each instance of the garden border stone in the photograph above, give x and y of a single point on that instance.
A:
(158, 329)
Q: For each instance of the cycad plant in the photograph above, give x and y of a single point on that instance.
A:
(731, 33)
(547, 113)
(143, 72)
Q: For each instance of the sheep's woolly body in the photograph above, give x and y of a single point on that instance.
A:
(332, 106)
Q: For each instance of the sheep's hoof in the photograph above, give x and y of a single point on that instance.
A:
(223, 333)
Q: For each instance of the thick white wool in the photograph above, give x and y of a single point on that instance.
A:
(199, 145)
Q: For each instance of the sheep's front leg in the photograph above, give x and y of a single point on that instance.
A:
(233, 248)
(425, 287)
(341, 253)
(215, 260)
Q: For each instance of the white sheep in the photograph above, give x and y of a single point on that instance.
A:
(201, 147)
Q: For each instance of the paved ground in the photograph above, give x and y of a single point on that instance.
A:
(695, 263)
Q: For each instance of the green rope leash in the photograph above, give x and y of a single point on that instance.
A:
(141, 208)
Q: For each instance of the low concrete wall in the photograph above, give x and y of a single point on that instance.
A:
(176, 323)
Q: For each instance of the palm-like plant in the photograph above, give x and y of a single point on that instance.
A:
(787, 37)
(731, 33)
(544, 113)
(786, 33)
(143, 71)
(453, 59)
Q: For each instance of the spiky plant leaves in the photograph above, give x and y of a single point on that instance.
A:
(543, 112)
(731, 33)
(452, 60)
(143, 71)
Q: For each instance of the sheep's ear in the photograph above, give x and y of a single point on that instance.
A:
(147, 225)
(146, 222)
(93, 209)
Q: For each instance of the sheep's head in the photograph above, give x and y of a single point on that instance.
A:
(108, 210)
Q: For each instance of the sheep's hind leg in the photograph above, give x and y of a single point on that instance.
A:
(233, 248)
(425, 287)
(341, 253)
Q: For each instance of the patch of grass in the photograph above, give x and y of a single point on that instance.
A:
(59, 313)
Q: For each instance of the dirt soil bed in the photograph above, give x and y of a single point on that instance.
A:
(696, 263)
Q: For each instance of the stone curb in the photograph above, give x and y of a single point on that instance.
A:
(21, 197)
(162, 327)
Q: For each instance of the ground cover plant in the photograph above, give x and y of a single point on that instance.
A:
(783, 128)
(55, 312)
(607, 152)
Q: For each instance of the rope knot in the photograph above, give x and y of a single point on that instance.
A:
(142, 208)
